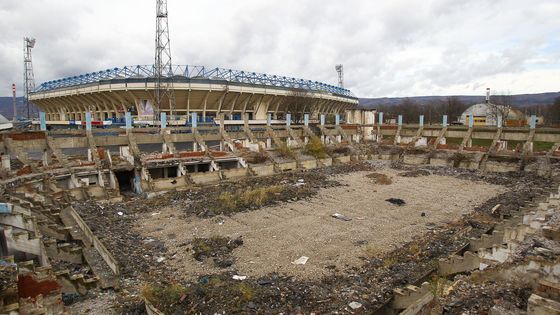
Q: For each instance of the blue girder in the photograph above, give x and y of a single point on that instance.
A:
(195, 72)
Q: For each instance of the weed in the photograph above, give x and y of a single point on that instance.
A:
(380, 179)
(316, 148)
(285, 151)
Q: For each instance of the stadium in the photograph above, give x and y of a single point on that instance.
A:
(209, 92)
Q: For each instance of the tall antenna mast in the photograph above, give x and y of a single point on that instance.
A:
(14, 101)
(29, 77)
(163, 69)
(340, 70)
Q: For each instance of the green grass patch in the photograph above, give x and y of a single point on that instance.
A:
(540, 146)
(482, 142)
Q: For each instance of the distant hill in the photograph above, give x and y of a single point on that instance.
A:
(519, 100)
(6, 107)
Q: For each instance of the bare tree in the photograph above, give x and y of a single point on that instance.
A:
(500, 106)
(299, 103)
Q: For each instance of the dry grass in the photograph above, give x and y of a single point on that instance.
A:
(380, 179)
(316, 148)
(229, 202)
(285, 151)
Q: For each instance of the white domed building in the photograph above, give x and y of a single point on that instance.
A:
(485, 114)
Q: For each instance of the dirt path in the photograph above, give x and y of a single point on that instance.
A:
(276, 236)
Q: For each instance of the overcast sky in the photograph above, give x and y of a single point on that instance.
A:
(388, 48)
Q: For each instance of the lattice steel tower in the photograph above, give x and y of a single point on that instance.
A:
(340, 70)
(163, 69)
(28, 76)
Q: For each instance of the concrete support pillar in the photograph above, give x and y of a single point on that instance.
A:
(471, 120)
(6, 163)
(88, 121)
(194, 120)
(246, 120)
(337, 119)
(322, 119)
(163, 120)
(269, 119)
(500, 121)
(380, 118)
(399, 120)
(306, 120)
(421, 120)
(128, 120)
(444, 122)
(533, 123)
(43, 121)
(288, 119)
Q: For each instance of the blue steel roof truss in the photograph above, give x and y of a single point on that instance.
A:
(195, 72)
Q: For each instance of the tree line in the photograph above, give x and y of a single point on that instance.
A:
(453, 107)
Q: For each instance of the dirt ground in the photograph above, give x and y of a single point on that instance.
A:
(275, 236)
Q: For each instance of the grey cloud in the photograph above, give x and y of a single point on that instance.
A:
(388, 48)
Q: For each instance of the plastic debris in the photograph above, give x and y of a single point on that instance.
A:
(341, 217)
(355, 305)
(120, 213)
(396, 201)
(301, 261)
(240, 278)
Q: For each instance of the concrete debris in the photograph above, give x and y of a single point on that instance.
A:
(341, 217)
(240, 278)
(355, 305)
(301, 261)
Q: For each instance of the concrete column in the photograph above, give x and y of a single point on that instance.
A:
(533, 123)
(128, 119)
(444, 123)
(337, 119)
(306, 120)
(380, 118)
(399, 120)
(500, 121)
(43, 121)
(471, 120)
(163, 120)
(288, 119)
(269, 119)
(421, 120)
(88, 121)
(194, 118)
(246, 120)
(322, 119)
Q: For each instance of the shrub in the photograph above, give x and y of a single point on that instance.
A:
(316, 148)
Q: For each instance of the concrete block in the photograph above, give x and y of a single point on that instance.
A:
(287, 166)
(457, 264)
(486, 240)
(325, 161)
(205, 178)
(418, 159)
(308, 164)
(263, 170)
(234, 173)
(404, 297)
(341, 159)
(439, 162)
(542, 306)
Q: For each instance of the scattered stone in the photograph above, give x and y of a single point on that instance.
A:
(301, 261)
(341, 217)
(355, 305)
(240, 278)
(396, 201)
